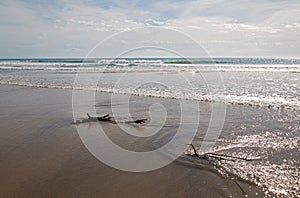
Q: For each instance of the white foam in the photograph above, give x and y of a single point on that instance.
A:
(274, 102)
(143, 66)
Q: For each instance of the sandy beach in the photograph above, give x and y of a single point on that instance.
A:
(42, 156)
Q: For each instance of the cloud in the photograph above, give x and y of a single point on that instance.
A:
(225, 28)
(42, 33)
(245, 28)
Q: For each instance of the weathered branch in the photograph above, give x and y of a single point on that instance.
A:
(222, 156)
(107, 118)
(217, 156)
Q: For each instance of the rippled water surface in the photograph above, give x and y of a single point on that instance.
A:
(262, 82)
(270, 140)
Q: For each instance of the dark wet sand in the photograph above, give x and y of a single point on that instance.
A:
(41, 155)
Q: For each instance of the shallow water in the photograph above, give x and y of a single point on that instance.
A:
(271, 140)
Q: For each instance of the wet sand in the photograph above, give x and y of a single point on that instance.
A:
(41, 155)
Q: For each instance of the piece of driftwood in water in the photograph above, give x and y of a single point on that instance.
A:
(216, 156)
(105, 118)
(225, 157)
(108, 118)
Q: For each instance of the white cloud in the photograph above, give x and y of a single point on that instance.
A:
(77, 27)
(224, 28)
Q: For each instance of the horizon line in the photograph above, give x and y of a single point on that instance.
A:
(212, 57)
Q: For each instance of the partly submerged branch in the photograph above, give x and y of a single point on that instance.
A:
(226, 157)
(217, 156)
(107, 118)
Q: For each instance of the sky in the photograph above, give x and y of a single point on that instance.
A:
(72, 28)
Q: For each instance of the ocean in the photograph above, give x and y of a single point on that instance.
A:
(263, 121)
(248, 81)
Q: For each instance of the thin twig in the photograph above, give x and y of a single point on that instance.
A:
(229, 156)
(195, 151)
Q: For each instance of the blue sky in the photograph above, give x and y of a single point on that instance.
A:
(66, 28)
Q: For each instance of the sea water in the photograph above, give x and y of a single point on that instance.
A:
(262, 82)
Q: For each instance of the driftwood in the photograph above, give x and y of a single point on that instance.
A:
(227, 157)
(216, 156)
(107, 118)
